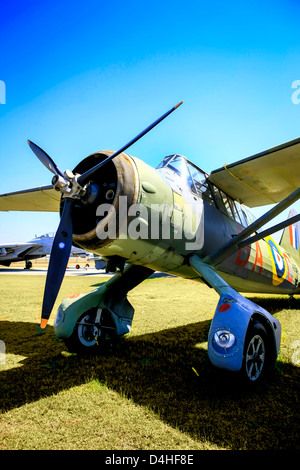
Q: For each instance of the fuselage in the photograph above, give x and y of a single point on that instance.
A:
(159, 217)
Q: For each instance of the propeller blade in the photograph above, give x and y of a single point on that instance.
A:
(60, 253)
(45, 159)
(62, 243)
(84, 178)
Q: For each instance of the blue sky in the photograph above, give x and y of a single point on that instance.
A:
(86, 76)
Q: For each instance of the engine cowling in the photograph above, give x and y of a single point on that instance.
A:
(116, 178)
(151, 207)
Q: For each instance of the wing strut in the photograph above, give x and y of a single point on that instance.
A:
(242, 239)
(269, 231)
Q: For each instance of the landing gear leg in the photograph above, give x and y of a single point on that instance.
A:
(28, 264)
(92, 321)
(243, 337)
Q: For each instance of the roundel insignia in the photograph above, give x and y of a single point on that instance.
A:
(279, 266)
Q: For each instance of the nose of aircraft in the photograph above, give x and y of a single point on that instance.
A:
(117, 180)
(77, 189)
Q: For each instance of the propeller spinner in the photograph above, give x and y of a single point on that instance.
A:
(72, 188)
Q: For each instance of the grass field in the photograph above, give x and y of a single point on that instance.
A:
(155, 390)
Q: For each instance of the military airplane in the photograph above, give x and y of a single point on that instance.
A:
(99, 262)
(178, 219)
(38, 247)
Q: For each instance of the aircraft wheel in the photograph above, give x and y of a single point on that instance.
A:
(77, 266)
(85, 334)
(257, 354)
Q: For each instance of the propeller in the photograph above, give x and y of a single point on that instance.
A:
(87, 175)
(45, 159)
(72, 187)
(60, 254)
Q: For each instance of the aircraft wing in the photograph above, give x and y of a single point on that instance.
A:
(264, 178)
(44, 198)
(13, 251)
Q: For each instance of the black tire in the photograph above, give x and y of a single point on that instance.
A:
(89, 337)
(257, 354)
(84, 337)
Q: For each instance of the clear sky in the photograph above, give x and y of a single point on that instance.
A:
(86, 76)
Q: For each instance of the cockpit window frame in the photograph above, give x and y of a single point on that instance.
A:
(211, 194)
(198, 188)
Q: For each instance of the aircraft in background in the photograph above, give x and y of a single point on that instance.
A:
(179, 220)
(38, 247)
(100, 263)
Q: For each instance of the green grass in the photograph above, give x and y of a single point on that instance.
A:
(155, 390)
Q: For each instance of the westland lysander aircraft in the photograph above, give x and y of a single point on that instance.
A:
(206, 234)
(36, 248)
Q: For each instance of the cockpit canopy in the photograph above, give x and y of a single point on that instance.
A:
(46, 235)
(184, 173)
(191, 176)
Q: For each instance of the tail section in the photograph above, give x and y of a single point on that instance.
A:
(290, 240)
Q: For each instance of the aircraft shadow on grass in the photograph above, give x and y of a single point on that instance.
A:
(166, 371)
